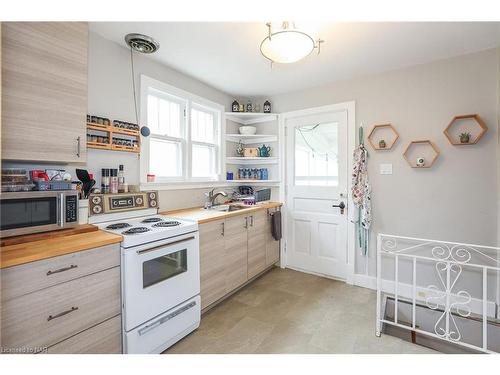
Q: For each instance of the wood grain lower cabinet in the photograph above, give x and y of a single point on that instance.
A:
(272, 246)
(235, 246)
(212, 262)
(102, 338)
(44, 91)
(257, 236)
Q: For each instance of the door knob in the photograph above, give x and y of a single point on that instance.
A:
(341, 206)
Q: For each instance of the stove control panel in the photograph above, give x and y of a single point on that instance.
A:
(108, 203)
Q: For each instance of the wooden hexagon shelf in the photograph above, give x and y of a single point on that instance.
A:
(430, 145)
(376, 143)
(478, 120)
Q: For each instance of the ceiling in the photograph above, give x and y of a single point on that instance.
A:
(227, 56)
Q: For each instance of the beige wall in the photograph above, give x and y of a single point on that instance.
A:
(455, 200)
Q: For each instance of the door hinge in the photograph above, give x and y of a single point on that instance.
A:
(184, 112)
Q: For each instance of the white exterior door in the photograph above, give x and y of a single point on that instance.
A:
(317, 157)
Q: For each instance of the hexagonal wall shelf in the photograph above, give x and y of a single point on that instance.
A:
(428, 144)
(382, 129)
(448, 132)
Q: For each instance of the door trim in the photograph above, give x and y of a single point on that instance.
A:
(350, 107)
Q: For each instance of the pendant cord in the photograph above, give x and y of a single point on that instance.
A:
(133, 85)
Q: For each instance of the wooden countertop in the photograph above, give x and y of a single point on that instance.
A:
(21, 253)
(201, 215)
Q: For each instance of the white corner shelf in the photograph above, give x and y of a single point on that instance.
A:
(254, 182)
(247, 139)
(240, 160)
(250, 118)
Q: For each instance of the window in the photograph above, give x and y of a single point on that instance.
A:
(185, 140)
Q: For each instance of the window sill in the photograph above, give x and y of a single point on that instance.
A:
(182, 185)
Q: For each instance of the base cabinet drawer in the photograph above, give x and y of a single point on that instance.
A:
(34, 276)
(46, 317)
(104, 338)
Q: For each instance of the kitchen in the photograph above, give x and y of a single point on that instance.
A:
(146, 211)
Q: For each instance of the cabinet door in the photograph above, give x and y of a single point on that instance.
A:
(44, 91)
(257, 243)
(235, 239)
(212, 262)
(272, 246)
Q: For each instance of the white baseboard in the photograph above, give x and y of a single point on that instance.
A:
(405, 291)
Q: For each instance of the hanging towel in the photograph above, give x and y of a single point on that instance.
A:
(361, 195)
(276, 225)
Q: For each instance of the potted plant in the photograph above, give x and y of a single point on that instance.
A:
(382, 144)
(465, 137)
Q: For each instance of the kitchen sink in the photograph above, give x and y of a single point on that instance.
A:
(227, 208)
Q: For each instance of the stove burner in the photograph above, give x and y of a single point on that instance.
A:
(164, 224)
(118, 226)
(151, 220)
(136, 230)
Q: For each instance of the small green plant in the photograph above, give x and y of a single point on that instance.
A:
(465, 137)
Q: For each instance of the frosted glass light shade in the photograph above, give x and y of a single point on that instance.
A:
(287, 46)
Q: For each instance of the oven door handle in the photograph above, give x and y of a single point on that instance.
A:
(165, 244)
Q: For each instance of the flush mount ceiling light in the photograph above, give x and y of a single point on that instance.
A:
(288, 45)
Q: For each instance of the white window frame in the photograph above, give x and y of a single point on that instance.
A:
(187, 101)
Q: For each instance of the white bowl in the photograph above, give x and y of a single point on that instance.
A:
(247, 130)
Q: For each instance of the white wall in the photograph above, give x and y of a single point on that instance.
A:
(455, 199)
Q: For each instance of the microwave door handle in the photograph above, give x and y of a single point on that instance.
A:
(61, 203)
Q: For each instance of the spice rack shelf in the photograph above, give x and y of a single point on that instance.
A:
(241, 160)
(111, 130)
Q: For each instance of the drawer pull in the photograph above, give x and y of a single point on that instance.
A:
(62, 269)
(51, 317)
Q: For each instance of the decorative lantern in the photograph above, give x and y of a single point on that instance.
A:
(249, 106)
(235, 107)
(267, 106)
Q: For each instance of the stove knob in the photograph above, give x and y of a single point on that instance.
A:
(138, 201)
(152, 195)
(96, 200)
(97, 209)
(152, 203)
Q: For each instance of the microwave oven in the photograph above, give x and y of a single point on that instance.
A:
(37, 211)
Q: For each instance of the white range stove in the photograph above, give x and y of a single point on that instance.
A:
(160, 277)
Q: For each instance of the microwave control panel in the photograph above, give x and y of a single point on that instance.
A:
(71, 209)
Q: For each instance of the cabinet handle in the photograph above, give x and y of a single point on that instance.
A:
(223, 229)
(51, 317)
(251, 221)
(246, 222)
(62, 269)
(78, 146)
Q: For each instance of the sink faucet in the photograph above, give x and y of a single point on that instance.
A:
(211, 197)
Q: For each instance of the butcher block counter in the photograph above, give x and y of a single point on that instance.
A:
(24, 249)
(202, 215)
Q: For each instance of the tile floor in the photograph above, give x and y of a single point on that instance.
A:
(286, 311)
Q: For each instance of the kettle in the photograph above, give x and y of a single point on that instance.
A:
(264, 151)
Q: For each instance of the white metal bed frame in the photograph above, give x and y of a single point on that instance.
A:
(449, 259)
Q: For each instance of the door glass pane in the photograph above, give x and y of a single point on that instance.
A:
(316, 150)
(164, 158)
(163, 268)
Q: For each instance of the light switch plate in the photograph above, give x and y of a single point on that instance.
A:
(385, 168)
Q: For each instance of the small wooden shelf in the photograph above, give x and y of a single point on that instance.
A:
(483, 128)
(375, 142)
(111, 130)
(429, 144)
(254, 182)
(241, 160)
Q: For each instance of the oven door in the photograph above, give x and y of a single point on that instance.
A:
(30, 212)
(158, 276)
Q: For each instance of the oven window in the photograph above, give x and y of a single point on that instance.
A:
(29, 212)
(163, 268)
